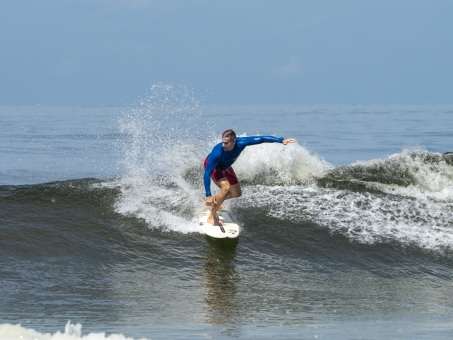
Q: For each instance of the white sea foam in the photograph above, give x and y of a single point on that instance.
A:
(172, 202)
(415, 214)
(72, 332)
(164, 145)
(164, 154)
(278, 164)
(170, 208)
(362, 217)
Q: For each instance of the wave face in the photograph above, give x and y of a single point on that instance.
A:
(406, 199)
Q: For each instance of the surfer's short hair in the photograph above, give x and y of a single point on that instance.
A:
(229, 134)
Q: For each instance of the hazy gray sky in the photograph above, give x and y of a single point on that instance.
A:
(96, 52)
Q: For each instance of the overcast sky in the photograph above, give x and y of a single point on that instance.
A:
(109, 52)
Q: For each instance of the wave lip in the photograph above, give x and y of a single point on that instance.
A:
(413, 173)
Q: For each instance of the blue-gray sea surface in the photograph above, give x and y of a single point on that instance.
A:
(346, 234)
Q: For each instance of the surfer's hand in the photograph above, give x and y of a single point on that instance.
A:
(288, 140)
(210, 200)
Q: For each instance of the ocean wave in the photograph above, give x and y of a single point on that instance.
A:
(361, 217)
(404, 199)
(413, 173)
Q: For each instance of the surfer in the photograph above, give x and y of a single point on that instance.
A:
(218, 168)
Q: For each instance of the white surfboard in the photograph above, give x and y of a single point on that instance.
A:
(228, 229)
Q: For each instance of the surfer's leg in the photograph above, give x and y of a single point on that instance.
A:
(229, 188)
(225, 187)
(235, 191)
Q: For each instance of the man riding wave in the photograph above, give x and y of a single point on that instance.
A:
(218, 168)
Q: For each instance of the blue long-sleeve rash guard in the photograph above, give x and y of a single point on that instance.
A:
(224, 159)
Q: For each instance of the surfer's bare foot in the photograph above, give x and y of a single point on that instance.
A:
(214, 221)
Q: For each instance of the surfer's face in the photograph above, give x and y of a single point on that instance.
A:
(228, 143)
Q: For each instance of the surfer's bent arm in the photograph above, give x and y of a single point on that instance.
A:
(207, 177)
(213, 159)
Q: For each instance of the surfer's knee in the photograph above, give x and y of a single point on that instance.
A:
(235, 191)
(225, 187)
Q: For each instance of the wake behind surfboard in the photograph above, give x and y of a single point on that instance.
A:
(228, 229)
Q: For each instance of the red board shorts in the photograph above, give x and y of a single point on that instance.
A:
(218, 174)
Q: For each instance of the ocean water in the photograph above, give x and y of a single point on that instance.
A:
(347, 234)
